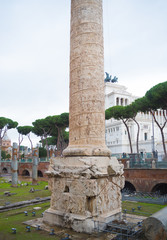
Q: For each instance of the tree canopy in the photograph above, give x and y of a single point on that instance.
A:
(5, 124)
(52, 126)
(154, 99)
(157, 95)
(25, 130)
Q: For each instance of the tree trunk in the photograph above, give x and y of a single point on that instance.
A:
(163, 141)
(31, 145)
(20, 141)
(137, 137)
(42, 140)
(161, 130)
(47, 148)
(130, 143)
(2, 134)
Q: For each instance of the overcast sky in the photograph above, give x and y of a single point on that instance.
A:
(34, 53)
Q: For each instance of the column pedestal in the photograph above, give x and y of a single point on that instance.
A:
(84, 190)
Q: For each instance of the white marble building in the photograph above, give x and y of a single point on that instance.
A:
(116, 134)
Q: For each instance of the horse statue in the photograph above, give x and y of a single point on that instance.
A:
(115, 79)
(108, 78)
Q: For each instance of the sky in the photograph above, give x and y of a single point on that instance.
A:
(35, 46)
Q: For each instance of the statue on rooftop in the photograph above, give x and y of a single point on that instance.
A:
(115, 79)
(109, 78)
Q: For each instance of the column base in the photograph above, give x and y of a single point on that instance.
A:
(80, 223)
(14, 185)
(85, 189)
(87, 151)
(34, 182)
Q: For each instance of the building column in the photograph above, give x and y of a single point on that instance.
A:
(14, 166)
(35, 167)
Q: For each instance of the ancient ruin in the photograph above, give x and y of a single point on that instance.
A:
(14, 166)
(35, 167)
(86, 182)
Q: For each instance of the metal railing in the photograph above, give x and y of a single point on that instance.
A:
(146, 197)
(162, 164)
(22, 160)
(147, 164)
(126, 228)
(140, 164)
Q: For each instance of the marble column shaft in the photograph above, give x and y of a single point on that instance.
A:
(35, 167)
(87, 106)
(14, 166)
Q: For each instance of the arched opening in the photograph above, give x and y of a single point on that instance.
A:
(4, 170)
(129, 187)
(25, 173)
(40, 174)
(161, 188)
(66, 189)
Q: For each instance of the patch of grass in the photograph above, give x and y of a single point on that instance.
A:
(146, 208)
(15, 219)
(22, 193)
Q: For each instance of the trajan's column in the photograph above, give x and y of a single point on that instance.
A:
(86, 182)
(87, 121)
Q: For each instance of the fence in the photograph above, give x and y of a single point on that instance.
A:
(140, 164)
(30, 160)
(22, 160)
(147, 164)
(154, 198)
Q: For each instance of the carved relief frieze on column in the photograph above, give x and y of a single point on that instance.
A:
(87, 119)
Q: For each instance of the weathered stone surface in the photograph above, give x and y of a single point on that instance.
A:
(83, 186)
(155, 227)
(37, 208)
(87, 120)
(35, 167)
(7, 192)
(103, 197)
(85, 166)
